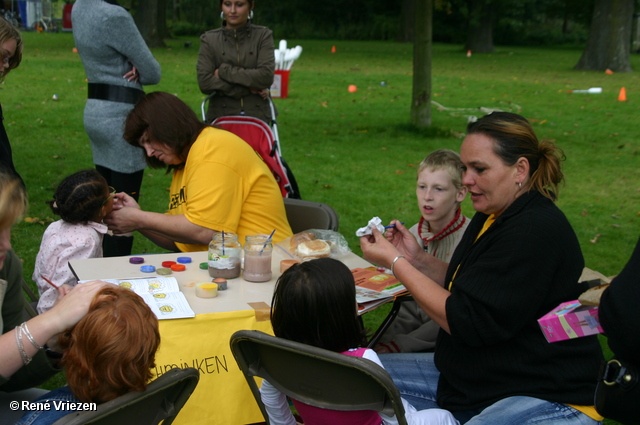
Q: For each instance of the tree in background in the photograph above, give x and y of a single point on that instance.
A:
(151, 20)
(406, 33)
(609, 42)
(480, 20)
(422, 47)
(475, 24)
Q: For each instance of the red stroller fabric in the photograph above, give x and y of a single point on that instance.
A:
(259, 136)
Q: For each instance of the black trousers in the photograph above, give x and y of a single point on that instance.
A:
(130, 183)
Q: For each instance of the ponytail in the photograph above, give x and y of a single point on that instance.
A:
(547, 178)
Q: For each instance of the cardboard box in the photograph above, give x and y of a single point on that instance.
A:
(570, 320)
(280, 87)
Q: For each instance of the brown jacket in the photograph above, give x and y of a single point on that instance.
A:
(244, 59)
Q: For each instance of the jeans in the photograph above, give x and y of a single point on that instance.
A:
(47, 417)
(416, 377)
(8, 415)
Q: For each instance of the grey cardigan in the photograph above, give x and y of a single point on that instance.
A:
(109, 44)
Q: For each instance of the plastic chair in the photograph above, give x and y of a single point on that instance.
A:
(304, 215)
(160, 402)
(315, 376)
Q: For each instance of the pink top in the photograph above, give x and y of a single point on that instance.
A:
(62, 242)
(318, 416)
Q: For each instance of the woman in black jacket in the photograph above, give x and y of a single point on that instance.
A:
(619, 313)
(518, 259)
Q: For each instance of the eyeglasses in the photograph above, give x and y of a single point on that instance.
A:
(112, 193)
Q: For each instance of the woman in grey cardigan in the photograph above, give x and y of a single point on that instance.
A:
(117, 62)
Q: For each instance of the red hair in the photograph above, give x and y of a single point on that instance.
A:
(111, 351)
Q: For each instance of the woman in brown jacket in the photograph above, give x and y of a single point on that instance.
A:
(237, 62)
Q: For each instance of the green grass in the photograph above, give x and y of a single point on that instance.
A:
(357, 151)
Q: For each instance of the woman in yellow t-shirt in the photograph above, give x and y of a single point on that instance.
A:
(219, 182)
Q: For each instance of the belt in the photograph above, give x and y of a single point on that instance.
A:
(114, 93)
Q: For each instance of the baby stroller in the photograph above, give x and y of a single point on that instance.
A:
(264, 140)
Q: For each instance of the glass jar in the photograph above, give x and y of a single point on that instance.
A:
(224, 255)
(257, 258)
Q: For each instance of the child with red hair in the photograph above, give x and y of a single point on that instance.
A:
(110, 352)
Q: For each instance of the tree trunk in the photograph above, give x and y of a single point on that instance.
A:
(609, 41)
(407, 21)
(421, 97)
(480, 30)
(163, 30)
(147, 19)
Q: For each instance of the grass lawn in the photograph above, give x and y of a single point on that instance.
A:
(357, 151)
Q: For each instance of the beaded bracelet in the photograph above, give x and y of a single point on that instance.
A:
(393, 263)
(25, 358)
(25, 329)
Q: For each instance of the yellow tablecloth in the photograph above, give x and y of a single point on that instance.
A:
(222, 395)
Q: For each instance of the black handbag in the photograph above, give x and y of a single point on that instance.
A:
(618, 392)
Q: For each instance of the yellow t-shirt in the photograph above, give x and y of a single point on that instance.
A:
(225, 185)
(488, 222)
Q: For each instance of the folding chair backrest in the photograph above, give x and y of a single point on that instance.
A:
(162, 400)
(315, 376)
(259, 136)
(304, 215)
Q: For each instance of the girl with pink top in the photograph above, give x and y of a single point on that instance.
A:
(81, 200)
(315, 303)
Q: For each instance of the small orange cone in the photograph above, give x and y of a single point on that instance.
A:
(468, 53)
(622, 97)
(333, 49)
(608, 71)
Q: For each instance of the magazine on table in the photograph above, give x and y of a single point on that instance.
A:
(374, 288)
(162, 295)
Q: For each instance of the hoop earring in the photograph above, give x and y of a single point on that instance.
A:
(222, 15)
(251, 15)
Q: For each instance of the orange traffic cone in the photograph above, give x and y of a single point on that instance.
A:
(333, 49)
(468, 53)
(622, 97)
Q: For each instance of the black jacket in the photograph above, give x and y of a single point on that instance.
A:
(527, 263)
(619, 312)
